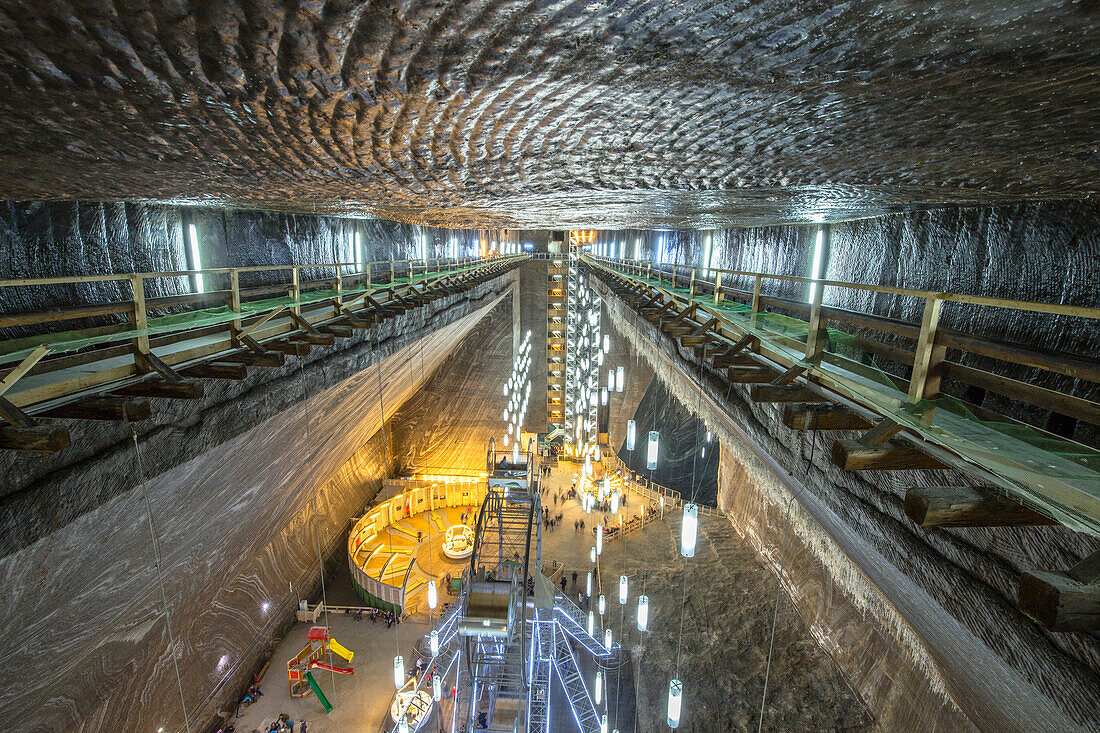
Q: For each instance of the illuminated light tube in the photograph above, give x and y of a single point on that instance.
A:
(631, 434)
(506, 440)
(504, 390)
(614, 502)
(433, 642)
(651, 452)
(602, 605)
(591, 623)
(433, 598)
(620, 379)
(603, 723)
(599, 687)
(643, 612)
(599, 541)
(603, 396)
(607, 638)
(588, 585)
(403, 725)
(611, 380)
(606, 343)
(689, 530)
(592, 554)
(597, 453)
(437, 688)
(599, 358)
(675, 698)
(398, 671)
(622, 590)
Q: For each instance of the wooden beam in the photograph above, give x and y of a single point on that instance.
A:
(338, 331)
(790, 375)
(966, 506)
(37, 439)
(14, 415)
(294, 348)
(318, 339)
(784, 393)
(266, 359)
(823, 417)
(188, 390)
(748, 341)
(304, 324)
(214, 370)
(880, 433)
(240, 335)
(103, 408)
(24, 366)
(852, 455)
(149, 362)
(749, 375)
(1068, 601)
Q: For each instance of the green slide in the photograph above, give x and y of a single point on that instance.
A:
(317, 691)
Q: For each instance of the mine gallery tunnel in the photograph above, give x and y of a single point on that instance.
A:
(549, 366)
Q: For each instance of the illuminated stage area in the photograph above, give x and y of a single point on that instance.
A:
(418, 536)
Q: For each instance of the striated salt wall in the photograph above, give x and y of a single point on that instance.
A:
(922, 623)
(248, 490)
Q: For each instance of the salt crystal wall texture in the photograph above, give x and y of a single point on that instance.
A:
(500, 112)
(923, 624)
(248, 489)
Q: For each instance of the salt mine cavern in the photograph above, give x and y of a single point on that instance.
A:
(596, 367)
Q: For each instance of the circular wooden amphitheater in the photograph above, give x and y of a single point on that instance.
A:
(397, 547)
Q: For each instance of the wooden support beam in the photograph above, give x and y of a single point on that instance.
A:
(304, 325)
(692, 341)
(747, 341)
(149, 362)
(853, 455)
(214, 370)
(882, 432)
(749, 375)
(14, 415)
(686, 313)
(189, 390)
(1068, 601)
(24, 366)
(337, 330)
(966, 506)
(318, 339)
(675, 331)
(784, 393)
(251, 358)
(293, 348)
(790, 375)
(823, 417)
(103, 408)
(37, 439)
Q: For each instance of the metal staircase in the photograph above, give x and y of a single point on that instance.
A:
(567, 671)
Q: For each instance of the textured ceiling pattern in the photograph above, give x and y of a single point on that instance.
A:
(695, 113)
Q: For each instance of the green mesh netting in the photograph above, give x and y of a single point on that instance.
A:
(1054, 475)
(61, 342)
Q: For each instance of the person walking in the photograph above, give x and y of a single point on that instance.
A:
(563, 581)
(574, 579)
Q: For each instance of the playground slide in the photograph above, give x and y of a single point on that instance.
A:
(317, 691)
(330, 668)
(338, 648)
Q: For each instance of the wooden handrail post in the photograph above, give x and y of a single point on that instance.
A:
(295, 290)
(339, 293)
(717, 286)
(756, 295)
(673, 274)
(391, 272)
(368, 275)
(691, 286)
(235, 296)
(140, 317)
(648, 269)
(815, 339)
(928, 357)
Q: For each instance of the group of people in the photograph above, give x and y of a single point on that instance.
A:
(389, 617)
(285, 724)
(252, 695)
(548, 521)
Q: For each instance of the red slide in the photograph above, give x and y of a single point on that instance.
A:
(330, 668)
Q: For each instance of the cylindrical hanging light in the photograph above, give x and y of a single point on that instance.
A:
(437, 688)
(643, 612)
(602, 606)
(599, 687)
(603, 723)
(588, 584)
(433, 598)
(588, 465)
(504, 390)
(398, 671)
(603, 396)
(599, 358)
(675, 698)
(631, 434)
(611, 380)
(651, 452)
(515, 451)
(622, 590)
(507, 413)
(597, 454)
(614, 502)
(591, 623)
(620, 379)
(403, 725)
(689, 529)
(606, 343)
(592, 554)
(433, 642)
(599, 539)
(607, 638)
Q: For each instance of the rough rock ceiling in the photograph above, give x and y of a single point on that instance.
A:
(694, 113)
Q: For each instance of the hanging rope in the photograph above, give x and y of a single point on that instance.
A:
(160, 575)
(316, 519)
(782, 560)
